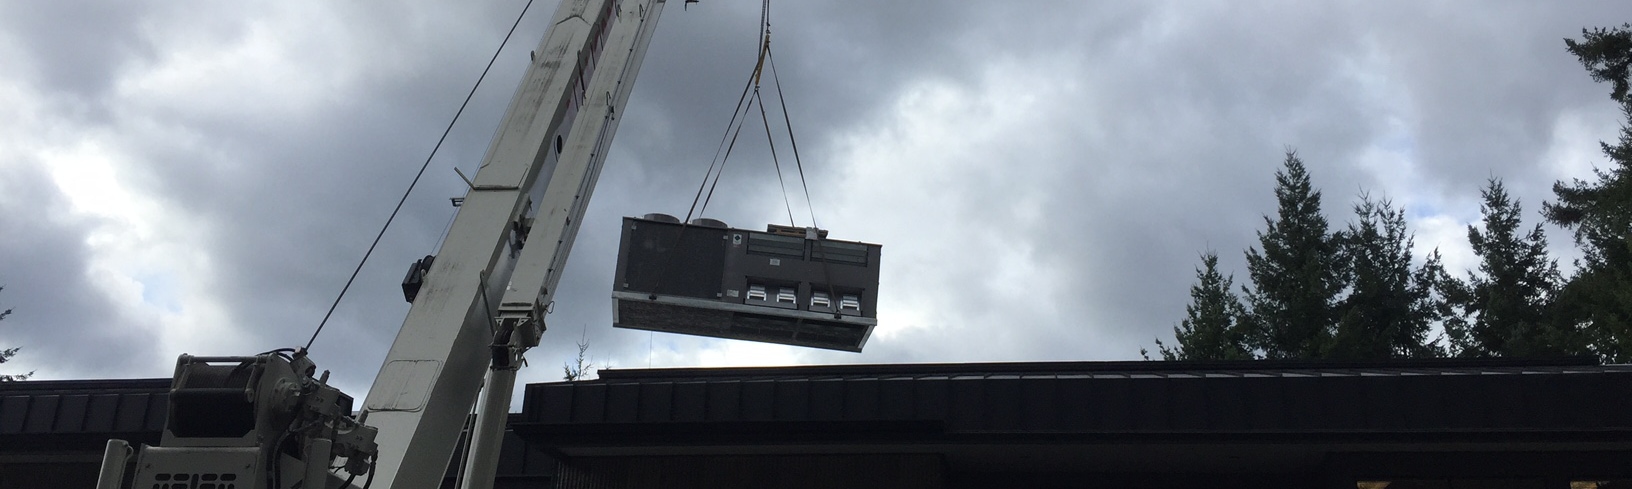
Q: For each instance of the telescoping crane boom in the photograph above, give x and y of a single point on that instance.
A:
(269, 422)
(506, 248)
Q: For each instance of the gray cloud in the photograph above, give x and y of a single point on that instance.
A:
(1083, 154)
(60, 318)
(76, 47)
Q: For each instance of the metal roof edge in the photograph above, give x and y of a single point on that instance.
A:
(1087, 367)
(84, 385)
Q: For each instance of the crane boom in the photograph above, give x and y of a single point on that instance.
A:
(271, 422)
(485, 294)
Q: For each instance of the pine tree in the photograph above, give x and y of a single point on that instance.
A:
(1390, 307)
(7, 353)
(1297, 276)
(580, 369)
(1211, 329)
(1599, 297)
(1507, 303)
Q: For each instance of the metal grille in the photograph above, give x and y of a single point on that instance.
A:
(771, 244)
(185, 480)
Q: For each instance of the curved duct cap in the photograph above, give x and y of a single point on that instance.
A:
(661, 217)
(709, 223)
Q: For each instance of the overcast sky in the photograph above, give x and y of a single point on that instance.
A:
(201, 177)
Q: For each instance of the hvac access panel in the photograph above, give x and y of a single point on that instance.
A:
(784, 285)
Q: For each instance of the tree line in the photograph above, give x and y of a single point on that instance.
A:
(1359, 293)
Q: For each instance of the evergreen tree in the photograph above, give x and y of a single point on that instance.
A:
(581, 368)
(7, 353)
(1390, 306)
(1600, 213)
(1211, 329)
(1297, 276)
(1507, 303)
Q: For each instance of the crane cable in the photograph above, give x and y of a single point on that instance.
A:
(821, 248)
(417, 176)
(765, 58)
(732, 137)
(733, 129)
(770, 141)
(728, 141)
(792, 141)
(716, 165)
(827, 270)
(750, 95)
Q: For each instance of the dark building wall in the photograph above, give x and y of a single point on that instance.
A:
(1401, 469)
(1418, 425)
(852, 471)
(1157, 480)
(27, 474)
(1439, 424)
(1555, 404)
(52, 433)
(1516, 468)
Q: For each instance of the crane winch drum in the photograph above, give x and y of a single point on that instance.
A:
(786, 285)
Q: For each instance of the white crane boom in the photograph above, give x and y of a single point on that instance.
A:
(481, 291)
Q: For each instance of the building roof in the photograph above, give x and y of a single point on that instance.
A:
(1427, 400)
(1041, 417)
(80, 414)
(1115, 369)
(1149, 418)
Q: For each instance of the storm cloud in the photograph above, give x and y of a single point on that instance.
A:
(198, 177)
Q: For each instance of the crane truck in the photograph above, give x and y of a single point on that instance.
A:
(271, 421)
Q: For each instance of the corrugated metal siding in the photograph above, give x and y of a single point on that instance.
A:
(46, 408)
(1197, 369)
(882, 471)
(1456, 399)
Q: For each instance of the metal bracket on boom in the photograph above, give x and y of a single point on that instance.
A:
(416, 277)
(518, 332)
(518, 233)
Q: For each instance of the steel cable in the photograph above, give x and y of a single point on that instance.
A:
(417, 176)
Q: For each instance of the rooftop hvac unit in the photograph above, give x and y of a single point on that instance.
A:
(784, 285)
